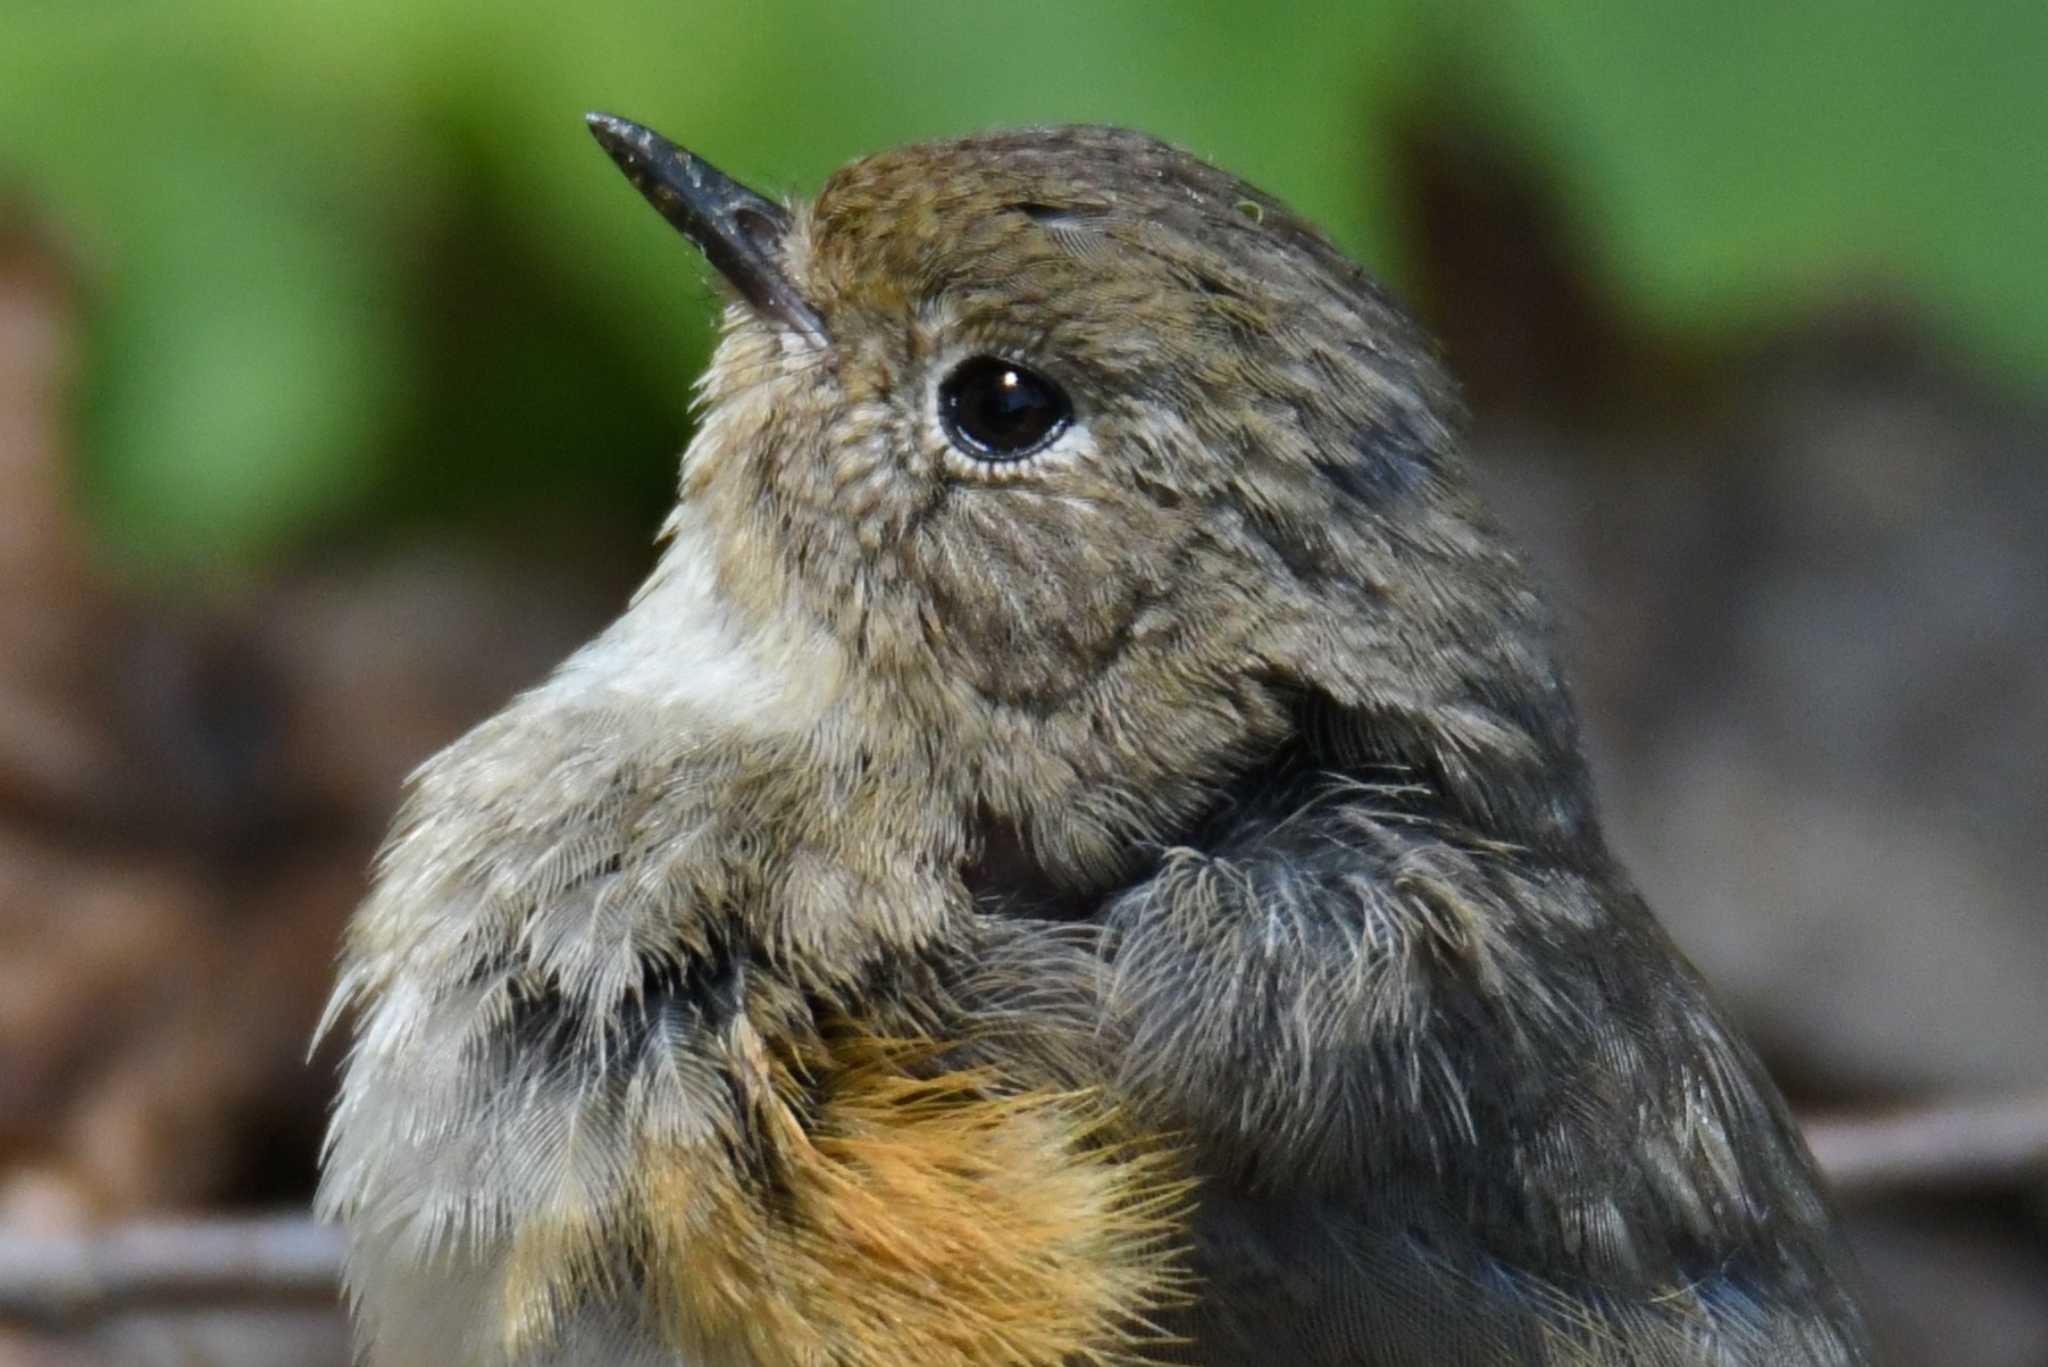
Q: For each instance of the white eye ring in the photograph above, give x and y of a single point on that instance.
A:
(999, 416)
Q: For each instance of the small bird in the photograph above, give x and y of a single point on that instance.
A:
(1079, 852)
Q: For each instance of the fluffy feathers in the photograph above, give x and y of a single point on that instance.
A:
(1144, 898)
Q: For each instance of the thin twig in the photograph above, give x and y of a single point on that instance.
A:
(1940, 1147)
(81, 1274)
(87, 1273)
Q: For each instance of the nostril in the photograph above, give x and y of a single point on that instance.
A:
(764, 232)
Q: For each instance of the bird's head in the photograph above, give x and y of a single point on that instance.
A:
(1111, 475)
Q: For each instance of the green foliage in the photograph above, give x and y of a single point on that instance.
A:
(351, 258)
(1742, 159)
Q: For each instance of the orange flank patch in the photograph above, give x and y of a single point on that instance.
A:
(918, 1221)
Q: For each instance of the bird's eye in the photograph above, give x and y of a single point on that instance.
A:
(997, 410)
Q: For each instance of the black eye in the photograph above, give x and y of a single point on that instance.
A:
(998, 410)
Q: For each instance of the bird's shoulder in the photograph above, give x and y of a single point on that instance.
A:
(1434, 1080)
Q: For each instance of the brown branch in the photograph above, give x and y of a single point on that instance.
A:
(82, 1274)
(1938, 1147)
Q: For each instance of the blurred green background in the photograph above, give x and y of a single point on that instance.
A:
(353, 265)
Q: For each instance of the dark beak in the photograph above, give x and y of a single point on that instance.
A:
(738, 231)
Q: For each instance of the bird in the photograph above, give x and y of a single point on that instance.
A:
(1080, 851)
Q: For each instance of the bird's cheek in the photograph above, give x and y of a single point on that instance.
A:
(1028, 615)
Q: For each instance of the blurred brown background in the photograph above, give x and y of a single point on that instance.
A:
(341, 384)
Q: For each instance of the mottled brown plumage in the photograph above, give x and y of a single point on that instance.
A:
(1130, 892)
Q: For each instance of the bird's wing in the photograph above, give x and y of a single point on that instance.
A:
(1458, 1103)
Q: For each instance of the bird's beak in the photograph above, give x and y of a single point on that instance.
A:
(738, 231)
